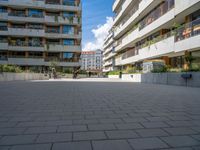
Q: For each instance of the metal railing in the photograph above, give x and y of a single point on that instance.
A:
(26, 44)
(188, 30)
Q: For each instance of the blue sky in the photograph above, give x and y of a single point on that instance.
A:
(94, 15)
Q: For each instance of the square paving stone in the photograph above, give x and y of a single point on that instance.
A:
(18, 139)
(154, 124)
(97, 135)
(111, 145)
(121, 134)
(147, 143)
(32, 147)
(73, 128)
(72, 146)
(56, 137)
(127, 126)
(40, 130)
(151, 132)
(110, 121)
(180, 141)
(11, 131)
(101, 127)
(180, 131)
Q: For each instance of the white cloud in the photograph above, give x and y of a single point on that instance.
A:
(100, 34)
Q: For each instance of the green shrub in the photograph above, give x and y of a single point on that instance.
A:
(160, 70)
(11, 68)
(130, 70)
(114, 73)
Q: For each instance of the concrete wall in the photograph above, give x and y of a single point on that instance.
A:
(21, 76)
(113, 76)
(164, 78)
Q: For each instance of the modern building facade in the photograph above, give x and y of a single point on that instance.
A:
(109, 53)
(91, 61)
(33, 33)
(146, 30)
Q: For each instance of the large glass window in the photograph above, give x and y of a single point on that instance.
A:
(68, 42)
(35, 13)
(68, 29)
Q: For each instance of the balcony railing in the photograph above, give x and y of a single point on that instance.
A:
(188, 30)
(26, 44)
(52, 31)
(3, 58)
(3, 28)
(24, 15)
(129, 53)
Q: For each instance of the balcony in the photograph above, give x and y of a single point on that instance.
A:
(62, 48)
(157, 24)
(4, 16)
(62, 62)
(21, 17)
(26, 32)
(56, 35)
(61, 20)
(187, 34)
(160, 46)
(25, 46)
(26, 61)
(3, 30)
(189, 5)
(64, 6)
(3, 45)
(26, 3)
(124, 7)
(126, 25)
(116, 4)
(128, 39)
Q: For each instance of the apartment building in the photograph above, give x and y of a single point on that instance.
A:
(109, 52)
(92, 61)
(145, 30)
(34, 33)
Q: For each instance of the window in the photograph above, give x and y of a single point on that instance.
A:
(69, 2)
(3, 9)
(35, 13)
(67, 55)
(68, 14)
(68, 42)
(3, 26)
(68, 29)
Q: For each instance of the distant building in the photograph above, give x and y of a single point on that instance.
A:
(92, 61)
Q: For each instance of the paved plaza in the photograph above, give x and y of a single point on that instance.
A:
(98, 116)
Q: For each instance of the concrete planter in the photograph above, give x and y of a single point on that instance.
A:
(21, 76)
(113, 76)
(164, 78)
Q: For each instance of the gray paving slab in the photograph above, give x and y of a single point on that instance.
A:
(72, 146)
(121, 134)
(111, 145)
(91, 135)
(147, 143)
(32, 147)
(180, 141)
(151, 132)
(98, 115)
(52, 138)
